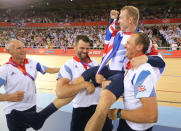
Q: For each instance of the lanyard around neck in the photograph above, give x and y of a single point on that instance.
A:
(21, 69)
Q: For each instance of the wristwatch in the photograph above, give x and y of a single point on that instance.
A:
(119, 113)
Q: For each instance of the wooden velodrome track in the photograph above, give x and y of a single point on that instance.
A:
(168, 87)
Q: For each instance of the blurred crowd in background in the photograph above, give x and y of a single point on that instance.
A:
(162, 35)
(38, 16)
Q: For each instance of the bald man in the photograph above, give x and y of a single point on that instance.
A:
(18, 77)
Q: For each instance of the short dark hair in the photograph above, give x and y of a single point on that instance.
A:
(143, 38)
(81, 37)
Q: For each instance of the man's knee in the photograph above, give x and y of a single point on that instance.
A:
(107, 98)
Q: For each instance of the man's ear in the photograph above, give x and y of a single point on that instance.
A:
(139, 47)
(131, 20)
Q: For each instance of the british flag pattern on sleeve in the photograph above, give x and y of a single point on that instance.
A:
(114, 50)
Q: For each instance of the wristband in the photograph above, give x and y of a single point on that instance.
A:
(119, 113)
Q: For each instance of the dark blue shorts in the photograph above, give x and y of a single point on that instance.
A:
(123, 126)
(117, 78)
(80, 117)
(117, 84)
(15, 126)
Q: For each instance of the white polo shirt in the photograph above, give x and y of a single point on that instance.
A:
(14, 80)
(139, 83)
(72, 69)
(119, 60)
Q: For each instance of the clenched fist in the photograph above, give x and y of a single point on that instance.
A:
(17, 96)
(114, 14)
(100, 78)
(112, 114)
(90, 88)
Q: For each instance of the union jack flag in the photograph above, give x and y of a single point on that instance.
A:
(141, 88)
(112, 40)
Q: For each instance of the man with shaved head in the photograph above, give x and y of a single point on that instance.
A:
(18, 77)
